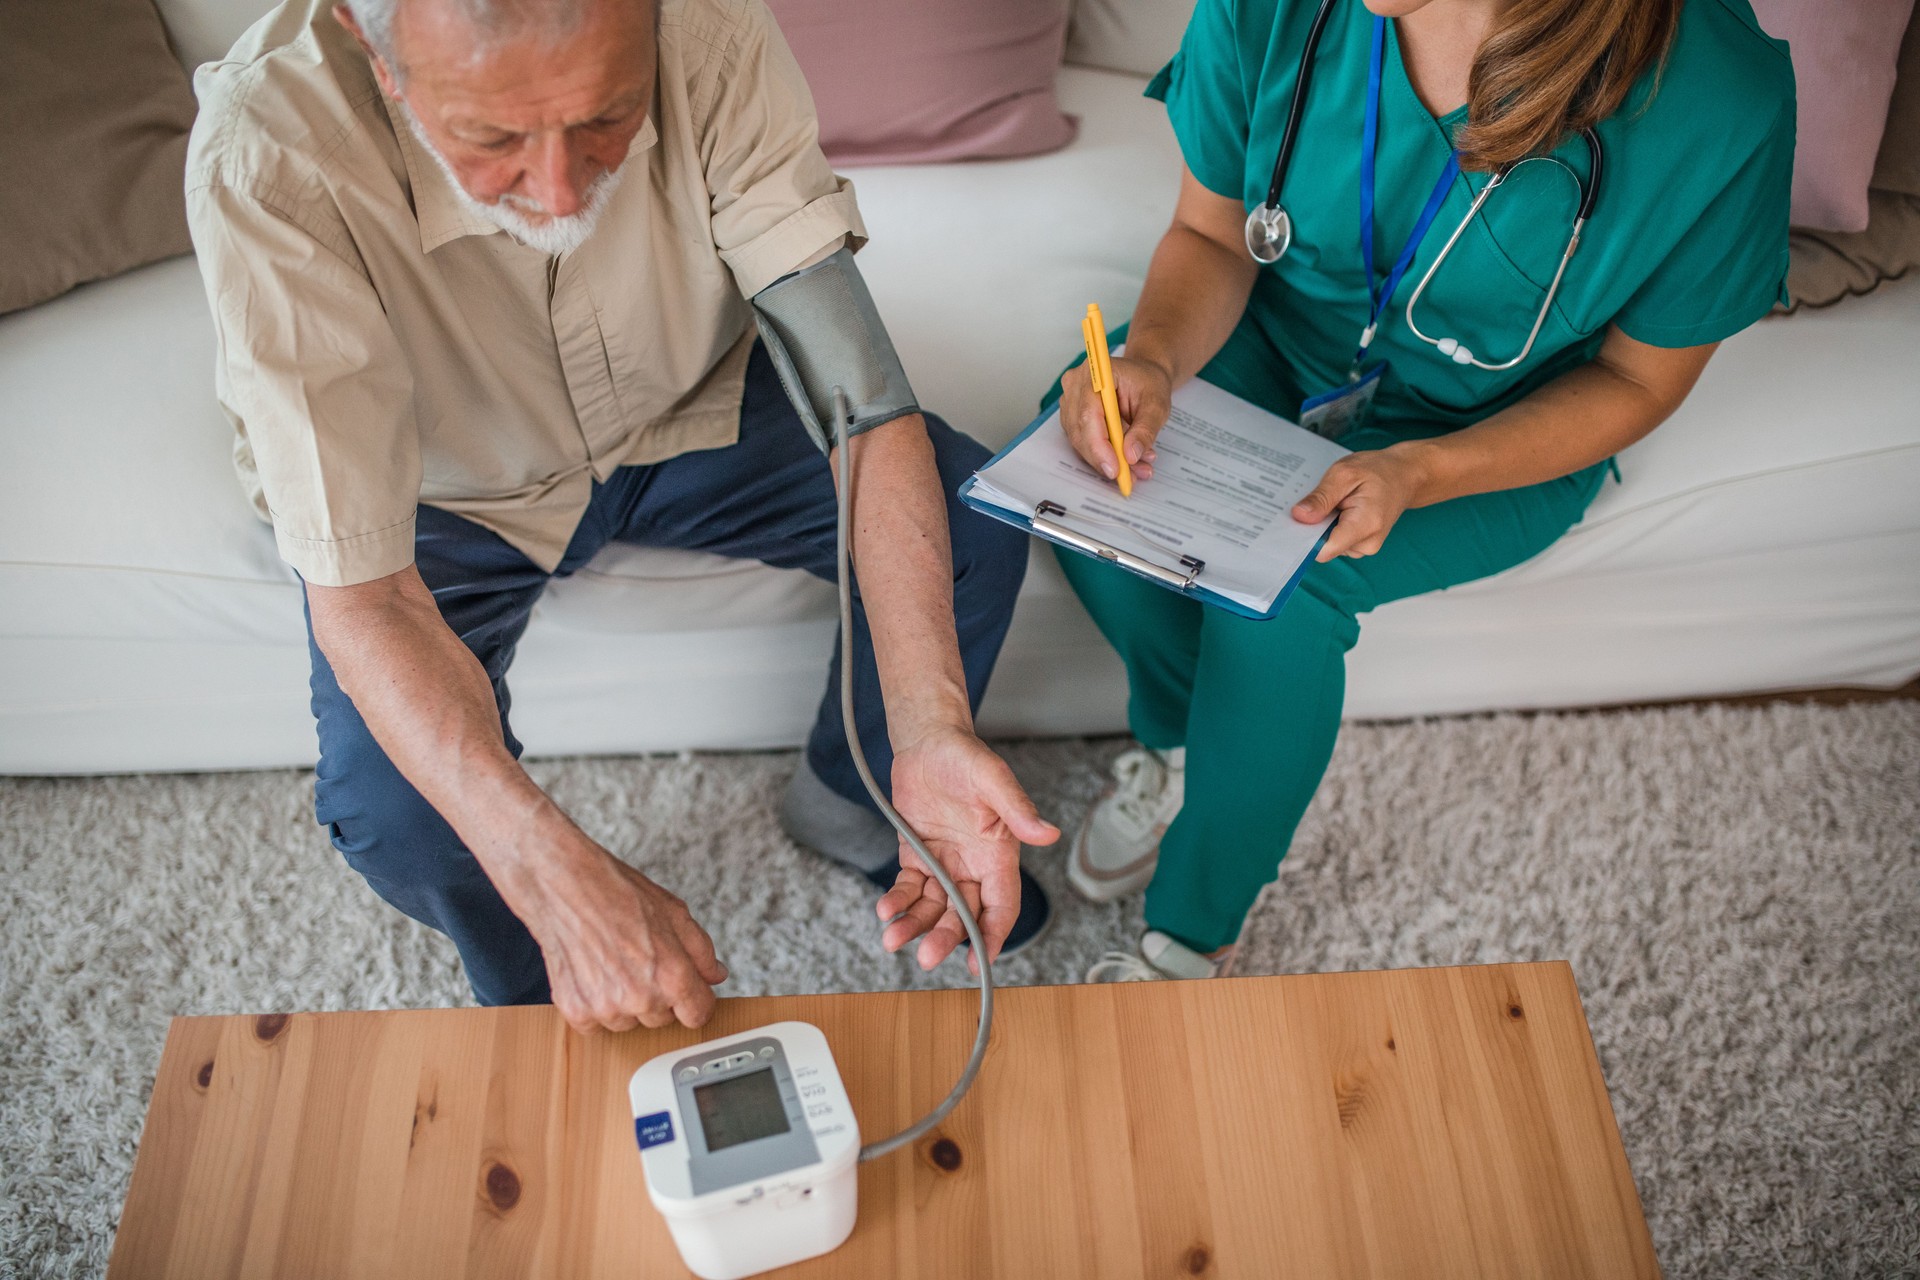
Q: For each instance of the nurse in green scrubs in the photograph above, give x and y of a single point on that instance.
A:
(1458, 471)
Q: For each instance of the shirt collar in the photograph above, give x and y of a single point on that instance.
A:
(436, 204)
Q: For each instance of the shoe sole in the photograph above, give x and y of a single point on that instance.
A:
(1098, 886)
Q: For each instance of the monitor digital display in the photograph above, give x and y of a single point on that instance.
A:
(740, 1109)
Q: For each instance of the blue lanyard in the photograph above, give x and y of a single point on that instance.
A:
(1378, 294)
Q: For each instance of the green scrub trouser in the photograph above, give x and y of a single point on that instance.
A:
(1257, 704)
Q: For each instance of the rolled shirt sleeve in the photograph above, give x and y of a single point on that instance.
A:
(316, 385)
(776, 200)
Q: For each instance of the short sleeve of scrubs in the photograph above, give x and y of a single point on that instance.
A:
(1206, 99)
(1729, 269)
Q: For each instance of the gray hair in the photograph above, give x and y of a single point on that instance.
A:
(491, 21)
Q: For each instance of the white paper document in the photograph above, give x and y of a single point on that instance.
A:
(1226, 476)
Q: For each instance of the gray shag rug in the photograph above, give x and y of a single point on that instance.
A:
(1738, 889)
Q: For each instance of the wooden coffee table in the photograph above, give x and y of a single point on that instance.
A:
(1421, 1123)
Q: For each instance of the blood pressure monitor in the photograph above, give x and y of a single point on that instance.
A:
(749, 1146)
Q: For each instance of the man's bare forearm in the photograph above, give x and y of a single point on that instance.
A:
(904, 559)
(430, 706)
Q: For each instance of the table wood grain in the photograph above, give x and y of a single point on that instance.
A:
(1429, 1123)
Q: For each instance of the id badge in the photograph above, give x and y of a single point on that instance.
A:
(1334, 413)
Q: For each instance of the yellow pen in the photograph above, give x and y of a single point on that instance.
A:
(1100, 370)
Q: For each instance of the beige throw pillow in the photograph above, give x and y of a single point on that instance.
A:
(96, 115)
(1830, 266)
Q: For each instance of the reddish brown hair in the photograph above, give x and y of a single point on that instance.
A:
(1553, 67)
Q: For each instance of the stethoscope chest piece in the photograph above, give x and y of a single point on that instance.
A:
(1269, 233)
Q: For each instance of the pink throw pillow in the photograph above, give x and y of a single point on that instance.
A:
(1844, 55)
(916, 81)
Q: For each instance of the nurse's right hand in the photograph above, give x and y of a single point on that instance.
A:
(1145, 392)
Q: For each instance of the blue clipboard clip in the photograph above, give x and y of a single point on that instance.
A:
(1046, 522)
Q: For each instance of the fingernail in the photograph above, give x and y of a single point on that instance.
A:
(1108, 471)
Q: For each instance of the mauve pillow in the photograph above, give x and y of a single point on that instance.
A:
(1829, 266)
(1844, 53)
(913, 81)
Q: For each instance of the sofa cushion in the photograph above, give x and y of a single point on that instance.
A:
(1140, 36)
(153, 520)
(98, 113)
(203, 30)
(1765, 537)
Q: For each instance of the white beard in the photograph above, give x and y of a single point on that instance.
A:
(554, 235)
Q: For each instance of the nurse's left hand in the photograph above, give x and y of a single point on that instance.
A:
(973, 814)
(1367, 492)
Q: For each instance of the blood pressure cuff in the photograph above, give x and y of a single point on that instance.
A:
(822, 330)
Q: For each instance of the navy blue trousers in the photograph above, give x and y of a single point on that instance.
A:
(769, 497)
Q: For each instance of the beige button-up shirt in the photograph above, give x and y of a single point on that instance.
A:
(379, 347)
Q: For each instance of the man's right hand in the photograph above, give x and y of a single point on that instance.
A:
(1145, 392)
(621, 951)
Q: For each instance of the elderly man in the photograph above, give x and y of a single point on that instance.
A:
(481, 273)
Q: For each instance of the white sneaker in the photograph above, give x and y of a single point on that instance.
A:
(1118, 845)
(1159, 957)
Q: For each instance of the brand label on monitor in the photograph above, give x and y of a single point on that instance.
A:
(654, 1129)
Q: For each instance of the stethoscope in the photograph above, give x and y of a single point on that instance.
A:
(1269, 231)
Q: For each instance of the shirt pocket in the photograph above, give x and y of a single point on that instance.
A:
(1486, 303)
(1486, 296)
(1524, 226)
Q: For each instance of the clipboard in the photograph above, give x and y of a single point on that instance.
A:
(1183, 574)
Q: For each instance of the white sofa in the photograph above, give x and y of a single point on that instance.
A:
(1768, 537)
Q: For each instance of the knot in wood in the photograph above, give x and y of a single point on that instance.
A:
(945, 1154)
(503, 1186)
(1197, 1260)
(204, 1077)
(268, 1026)
(1515, 1012)
(1350, 1098)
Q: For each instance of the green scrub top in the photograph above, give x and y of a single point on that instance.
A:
(1686, 245)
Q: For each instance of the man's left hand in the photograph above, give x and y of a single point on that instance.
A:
(965, 803)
